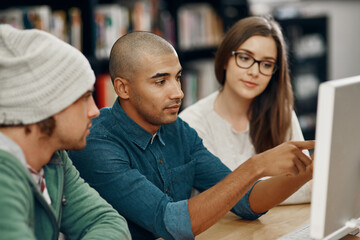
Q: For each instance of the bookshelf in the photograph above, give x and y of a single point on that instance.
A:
(194, 27)
(198, 59)
(308, 59)
(85, 8)
(304, 35)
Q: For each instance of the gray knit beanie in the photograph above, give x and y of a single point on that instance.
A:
(40, 75)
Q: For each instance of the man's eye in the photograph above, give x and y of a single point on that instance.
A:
(160, 82)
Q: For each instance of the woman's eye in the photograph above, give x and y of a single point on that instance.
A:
(243, 58)
(268, 64)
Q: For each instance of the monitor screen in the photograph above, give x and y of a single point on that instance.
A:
(335, 206)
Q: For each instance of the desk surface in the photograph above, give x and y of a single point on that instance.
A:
(276, 223)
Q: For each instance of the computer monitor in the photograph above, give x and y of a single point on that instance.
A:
(335, 204)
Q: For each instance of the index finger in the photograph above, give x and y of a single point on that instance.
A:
(309, 144)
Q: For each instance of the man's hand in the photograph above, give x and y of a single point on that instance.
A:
(285, 159)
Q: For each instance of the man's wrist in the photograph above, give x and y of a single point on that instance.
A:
(254, 166)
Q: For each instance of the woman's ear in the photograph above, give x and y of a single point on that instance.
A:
(121, 86)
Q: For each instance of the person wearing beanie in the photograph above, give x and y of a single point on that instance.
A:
(46, 106)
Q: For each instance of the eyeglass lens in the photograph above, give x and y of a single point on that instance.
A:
(244, 60)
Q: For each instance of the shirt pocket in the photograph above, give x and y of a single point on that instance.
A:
(182, 180)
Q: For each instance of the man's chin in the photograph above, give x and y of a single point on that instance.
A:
(170, 119)
(78, 146)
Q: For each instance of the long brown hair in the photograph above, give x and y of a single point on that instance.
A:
(270, 113)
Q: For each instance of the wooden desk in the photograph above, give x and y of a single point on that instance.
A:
(276, 223)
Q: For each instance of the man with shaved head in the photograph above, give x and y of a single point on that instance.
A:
(145, 161)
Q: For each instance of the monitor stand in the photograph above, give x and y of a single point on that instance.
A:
(351, 227)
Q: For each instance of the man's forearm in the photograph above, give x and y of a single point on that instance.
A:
(286, 159)
(208, 207)
(270, 192)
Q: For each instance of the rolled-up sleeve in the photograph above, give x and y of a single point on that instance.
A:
(177, 220)
(242, 208)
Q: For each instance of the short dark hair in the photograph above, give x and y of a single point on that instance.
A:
(126, 53)
(46, 126)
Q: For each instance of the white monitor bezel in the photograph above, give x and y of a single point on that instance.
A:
(330, 219)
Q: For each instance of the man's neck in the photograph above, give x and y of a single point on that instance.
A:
(37, 150)
(134, 115)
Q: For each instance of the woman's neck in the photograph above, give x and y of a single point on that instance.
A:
(233, 109)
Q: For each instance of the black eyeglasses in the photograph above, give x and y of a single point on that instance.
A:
(245, 61)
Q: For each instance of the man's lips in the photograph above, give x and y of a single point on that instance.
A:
(175, 106)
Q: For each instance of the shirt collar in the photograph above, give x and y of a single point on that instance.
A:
(134, 131)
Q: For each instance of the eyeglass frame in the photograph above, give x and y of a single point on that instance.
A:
(234, 53)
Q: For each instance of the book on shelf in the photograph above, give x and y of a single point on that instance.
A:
(199, 26)
(59, 26)
(105, 94)
(167, 26)
(161, 21)
(198, 81)
(141, 16)
(112, 21)
(39, 17)
(207, 82)
(12, 16)
(75, 35)
(189, 87)
(44, 18)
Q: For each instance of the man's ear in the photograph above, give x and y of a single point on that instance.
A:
(121, 86)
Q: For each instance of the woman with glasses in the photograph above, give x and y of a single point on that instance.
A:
(253, 110)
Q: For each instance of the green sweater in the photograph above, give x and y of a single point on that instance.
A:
(76, 209)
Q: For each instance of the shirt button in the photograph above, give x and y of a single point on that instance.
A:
(160, 161)
(167, 190)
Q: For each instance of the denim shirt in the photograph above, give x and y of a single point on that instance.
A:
(149, 178)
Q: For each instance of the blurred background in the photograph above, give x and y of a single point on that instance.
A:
(322, 37)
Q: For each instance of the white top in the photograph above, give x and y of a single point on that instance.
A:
(231, 146)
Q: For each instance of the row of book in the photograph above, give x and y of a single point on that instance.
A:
(199, 26)
(66, 25)
(111, 22)
(114, 20)
(198, 81)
